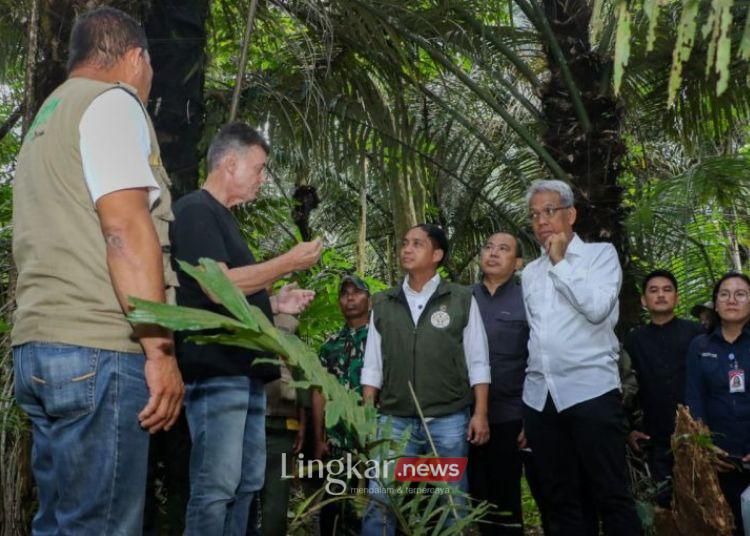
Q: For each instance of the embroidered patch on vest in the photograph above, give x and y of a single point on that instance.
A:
(440, 319)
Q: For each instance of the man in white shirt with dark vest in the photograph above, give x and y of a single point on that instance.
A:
(91, 209)
(573, 412)
(427, 333)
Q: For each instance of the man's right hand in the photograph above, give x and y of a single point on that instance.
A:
(165, 386)
(305, 254)
(634, 437)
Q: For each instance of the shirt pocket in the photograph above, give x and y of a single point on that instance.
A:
(509, 336)
(64, 379)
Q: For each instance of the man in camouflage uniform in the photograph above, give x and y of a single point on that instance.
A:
(342, 355)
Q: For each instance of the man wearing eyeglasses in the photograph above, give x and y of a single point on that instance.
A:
(573, 414)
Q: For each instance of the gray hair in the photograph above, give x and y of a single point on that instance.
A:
(555, 186)
(235, 137)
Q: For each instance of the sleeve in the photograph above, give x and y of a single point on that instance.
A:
(372, 369)
(593, 294)
(195, 234)
(476, 349)
(695, 389)
(115, 146)
(323, 354)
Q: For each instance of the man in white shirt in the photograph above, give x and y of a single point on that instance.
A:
(573, 414)
(427, 335)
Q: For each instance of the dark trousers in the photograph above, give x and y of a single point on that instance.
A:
(591, 436)
(168, 485)
(732, 484)
(275, 494)
(495, 476)
(660, 463)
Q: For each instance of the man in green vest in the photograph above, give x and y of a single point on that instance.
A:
(425, 335)
(91, 209)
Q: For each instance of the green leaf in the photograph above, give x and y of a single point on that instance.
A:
(744, 49)
(622, 46)
(651, 8)
(683, 47)
(211, 276)
(178, 318)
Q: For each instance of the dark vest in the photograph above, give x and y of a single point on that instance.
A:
(430, 355)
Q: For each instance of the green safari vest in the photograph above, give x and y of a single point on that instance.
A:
(430, 355)
(64, 292)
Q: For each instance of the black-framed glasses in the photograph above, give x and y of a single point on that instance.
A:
(546, 212)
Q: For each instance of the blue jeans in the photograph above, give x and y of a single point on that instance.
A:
(449, 435)
(227, 417)
(89, 453)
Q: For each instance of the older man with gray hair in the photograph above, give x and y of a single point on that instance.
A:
(573, 414)
(225, 402)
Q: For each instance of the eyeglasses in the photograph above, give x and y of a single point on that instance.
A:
(546, 212)
(739, 296)
(492, 248)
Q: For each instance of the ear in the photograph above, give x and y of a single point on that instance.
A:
(437, 256)
(572, 213)
(519, 263)
(132, 58)
(643, 301)
(230, 162)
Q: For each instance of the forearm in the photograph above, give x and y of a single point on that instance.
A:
(481, 397)
(256, 277)
(134, 259)
(318, 415)
(369, 393)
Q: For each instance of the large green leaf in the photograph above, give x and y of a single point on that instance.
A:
(211, 276)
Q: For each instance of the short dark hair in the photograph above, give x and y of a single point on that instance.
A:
(437, 237)
(232, 137)
(658, 273)
(519, 246)
(102, 36)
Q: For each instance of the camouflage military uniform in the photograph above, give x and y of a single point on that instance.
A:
(343, 355)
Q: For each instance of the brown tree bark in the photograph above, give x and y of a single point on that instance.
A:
(592, 157)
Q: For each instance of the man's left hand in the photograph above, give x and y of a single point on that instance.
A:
(479, 430)
(292, 300)
(556, 246)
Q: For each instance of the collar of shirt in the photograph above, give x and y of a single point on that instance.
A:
(418, 300)
(427, 290)
(718, 335)
(575, 247)
(498, 290)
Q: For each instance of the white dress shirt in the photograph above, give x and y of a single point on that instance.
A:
(572, 308)
(475, 345)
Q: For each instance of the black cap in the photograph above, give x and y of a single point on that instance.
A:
(356, 281)
(698, 308)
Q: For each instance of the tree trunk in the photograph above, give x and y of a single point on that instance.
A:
(592, 158)
(362, 235)
(177, 41)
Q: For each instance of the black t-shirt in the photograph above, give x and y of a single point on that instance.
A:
(203, 227)
(659, 355)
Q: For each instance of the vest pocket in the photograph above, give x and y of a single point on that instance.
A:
(64, 379)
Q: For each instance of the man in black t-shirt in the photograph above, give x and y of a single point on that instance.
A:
(225, 398)
(658, 351)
